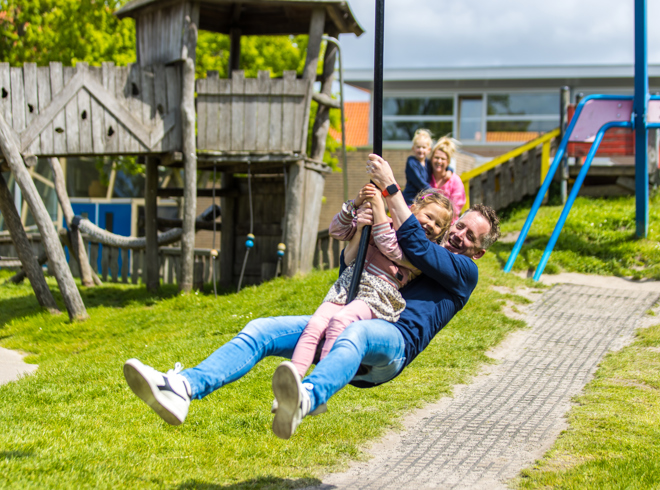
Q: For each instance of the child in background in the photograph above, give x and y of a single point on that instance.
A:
(417, 173)
(386, 270)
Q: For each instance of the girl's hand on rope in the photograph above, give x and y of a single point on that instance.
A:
(380, 172)
(365, 216)
(366, 194)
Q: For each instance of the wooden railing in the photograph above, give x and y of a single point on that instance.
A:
(124, 265)
(512, 176)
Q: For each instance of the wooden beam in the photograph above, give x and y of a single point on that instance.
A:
(24, 250)
(326, 100)
(78, 249)
(322, 121)
(189, 147)
(70, 294)
(150, 226)
(178, 192)
(316, 27)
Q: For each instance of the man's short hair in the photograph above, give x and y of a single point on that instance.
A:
(491, 216)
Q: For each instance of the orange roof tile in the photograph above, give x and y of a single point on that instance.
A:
(357, 124)
(510, 136)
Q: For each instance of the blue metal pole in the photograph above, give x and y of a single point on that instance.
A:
(641, 134)
(574, 192)
(548, 178)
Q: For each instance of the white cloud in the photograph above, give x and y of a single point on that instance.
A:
(438, 33)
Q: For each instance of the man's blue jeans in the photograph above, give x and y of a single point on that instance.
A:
(376, 344)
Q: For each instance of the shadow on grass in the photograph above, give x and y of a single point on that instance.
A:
(14, 454)
(257, 483)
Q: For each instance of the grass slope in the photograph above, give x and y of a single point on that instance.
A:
(76, 423)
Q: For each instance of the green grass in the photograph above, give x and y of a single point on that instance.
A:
(75, 423)
(614, 431)
(598, 238)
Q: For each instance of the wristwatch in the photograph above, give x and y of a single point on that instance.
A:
(390, 190)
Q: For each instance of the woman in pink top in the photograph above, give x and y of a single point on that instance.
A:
(386, 270)
(443, 179)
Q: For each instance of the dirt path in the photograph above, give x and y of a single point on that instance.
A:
(512, 413)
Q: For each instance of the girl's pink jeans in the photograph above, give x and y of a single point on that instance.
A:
(331, 319)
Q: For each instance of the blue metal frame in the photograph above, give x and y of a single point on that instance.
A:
(638, 124)
(551, 173)
(574, 192)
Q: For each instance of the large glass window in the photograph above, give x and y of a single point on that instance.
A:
(402, 116)
(519, 117)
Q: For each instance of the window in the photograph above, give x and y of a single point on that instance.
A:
(402, 116)
(519, 117)
(470, 119)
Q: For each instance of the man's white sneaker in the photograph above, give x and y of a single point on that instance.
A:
(322, 408)
(167, 394)
(293, 400)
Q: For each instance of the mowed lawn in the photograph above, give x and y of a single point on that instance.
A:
(75, 422)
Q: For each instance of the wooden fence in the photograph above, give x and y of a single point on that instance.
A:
(124, 265)
(512, 176)
(263, 114)
(60, 110)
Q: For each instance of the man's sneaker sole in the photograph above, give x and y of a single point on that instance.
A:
(287, 394)
(147, 392)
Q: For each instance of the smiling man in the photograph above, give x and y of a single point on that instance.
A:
(368, 353)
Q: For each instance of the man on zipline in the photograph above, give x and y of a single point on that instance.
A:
(368, 352)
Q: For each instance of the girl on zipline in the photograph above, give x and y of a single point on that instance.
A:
(386, 269)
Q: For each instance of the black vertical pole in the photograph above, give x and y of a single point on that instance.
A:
(377, 136)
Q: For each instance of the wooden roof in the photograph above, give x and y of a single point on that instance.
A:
(259, 17)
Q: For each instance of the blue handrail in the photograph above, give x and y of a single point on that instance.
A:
(551, 173)
(574, 192)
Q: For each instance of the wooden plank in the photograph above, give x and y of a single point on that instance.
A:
(17, 99)
(121, 91)
(250, 142)
(275, 120)
(505, 183)
(160, 105)
(263, 110)
(288, 111)
(5, 93)
(133, 93)
(518, 178)
(135, 266)
(224, 114)
(110, 124)
(237, 110)
(202, 104)
(123, 253)
(212, 110)
(85, 117)
(97, 115)
(71, 130)
(173, 83)
(105, 260)
(147, 96)
(43, 92)
(300, 116)
(59, 119)
(94, 256)
(31, 102)
(114, 263)
(489, 188)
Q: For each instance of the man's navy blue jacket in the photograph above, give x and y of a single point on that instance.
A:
(433, 298)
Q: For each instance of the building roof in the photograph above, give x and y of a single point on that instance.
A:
(256, 17)
(357, 124)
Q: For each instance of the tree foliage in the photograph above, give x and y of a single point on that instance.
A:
(65, 30)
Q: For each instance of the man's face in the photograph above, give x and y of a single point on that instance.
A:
(465, 236)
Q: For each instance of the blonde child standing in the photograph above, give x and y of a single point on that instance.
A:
(417, 166)
(386, 270)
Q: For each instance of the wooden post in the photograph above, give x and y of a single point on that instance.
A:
(189, 148)
(77, 245)
(298, 253)
(56, 259)
(322, 121)
(150, 224)
(234, 49)
(228, 205)
(24, 250)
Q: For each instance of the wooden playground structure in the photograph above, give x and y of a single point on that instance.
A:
(245, 129)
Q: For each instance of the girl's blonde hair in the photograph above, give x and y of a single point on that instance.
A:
(423, 134)
(447, 144)
(434, 196)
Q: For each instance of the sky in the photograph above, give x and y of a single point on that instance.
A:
(464, 33)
